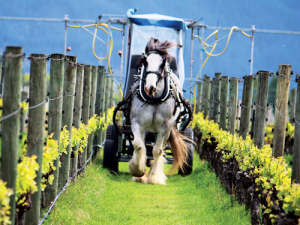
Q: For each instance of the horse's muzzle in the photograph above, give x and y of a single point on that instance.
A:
(150, 91)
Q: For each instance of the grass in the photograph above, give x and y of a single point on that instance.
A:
(104, 198)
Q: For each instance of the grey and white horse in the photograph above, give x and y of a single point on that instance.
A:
(159, 118)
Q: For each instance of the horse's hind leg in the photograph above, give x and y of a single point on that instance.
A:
(157, 175)
(137, 165)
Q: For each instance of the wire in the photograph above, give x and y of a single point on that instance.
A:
(213, 48)
(121, 92)
(95, 35)
(96, 24)
(66, 185)
(110, 47)
(100, 26)
(228, 39)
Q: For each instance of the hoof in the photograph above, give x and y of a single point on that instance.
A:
(135, 170)
(157, 179)
(143, 179)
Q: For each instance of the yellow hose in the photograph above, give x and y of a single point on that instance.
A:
(111, 43)
(213, 48)
(247, 35)
(95, 35)
(121, 92)
(228, 39)
(98, 26)
(110, 48)
(214, 55)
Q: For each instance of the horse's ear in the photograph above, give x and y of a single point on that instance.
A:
(165, 59)
(169, 59)
(139, 63)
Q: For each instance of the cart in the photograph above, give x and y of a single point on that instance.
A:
(118, 144)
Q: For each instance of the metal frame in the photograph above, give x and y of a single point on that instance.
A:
(122, 20)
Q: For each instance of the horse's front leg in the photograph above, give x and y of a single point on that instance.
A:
(137, 165)
(157, 175)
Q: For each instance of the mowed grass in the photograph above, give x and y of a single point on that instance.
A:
(101, 197)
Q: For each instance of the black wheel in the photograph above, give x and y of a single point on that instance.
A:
(110, 159)
(111, 132)
(188, 168)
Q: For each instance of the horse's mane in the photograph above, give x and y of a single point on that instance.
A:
(160, 47)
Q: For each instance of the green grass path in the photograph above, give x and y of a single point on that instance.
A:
(104, 198)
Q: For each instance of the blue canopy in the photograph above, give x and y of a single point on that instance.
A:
(156, 20)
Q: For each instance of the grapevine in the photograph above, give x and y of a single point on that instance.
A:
(28, 167)
(272, 174)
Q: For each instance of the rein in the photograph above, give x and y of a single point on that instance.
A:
(170, 90)
(144, 65)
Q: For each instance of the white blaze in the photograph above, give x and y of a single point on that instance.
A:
(154, 62)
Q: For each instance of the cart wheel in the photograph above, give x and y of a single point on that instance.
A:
(110, 159)
(188, 168)
(111, 132)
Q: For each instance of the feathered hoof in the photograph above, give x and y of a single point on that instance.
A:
(143, 179)
(157, 179)
(135, 170)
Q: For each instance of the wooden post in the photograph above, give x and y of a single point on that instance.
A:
(206, 96)
(98, 106)
(103, 90)
(224, 102)
(112, 96)
(246, 106)
(107, 97)
(36, 128)
(233, 94)
(296, 148)
(77, 115)
(198, 100)
(216, 98)
(261, 108)
(211, 108)
(238, 115)
(1, 78)
(92, 107)
(85, 107)
(293, 105)
(24, 95)
(10, 126)
(67, 116)
(281, 109)
(55, 114)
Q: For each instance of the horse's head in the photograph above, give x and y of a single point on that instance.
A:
(154, 61)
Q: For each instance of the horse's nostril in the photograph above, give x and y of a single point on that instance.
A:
(152, 89)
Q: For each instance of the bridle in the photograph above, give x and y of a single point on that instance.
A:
(145, 72)
(170, 90)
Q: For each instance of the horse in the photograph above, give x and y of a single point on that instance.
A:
(156, 110)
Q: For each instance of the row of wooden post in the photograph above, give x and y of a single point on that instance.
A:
(219, 100)
(76, 93)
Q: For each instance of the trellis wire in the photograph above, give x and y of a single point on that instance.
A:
(13, 113)
(23, 55)
(280, 112)
(33, 107)
(66, 185)
(255, 104)
(53, 99)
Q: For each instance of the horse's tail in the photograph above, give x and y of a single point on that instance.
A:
(179, 149)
